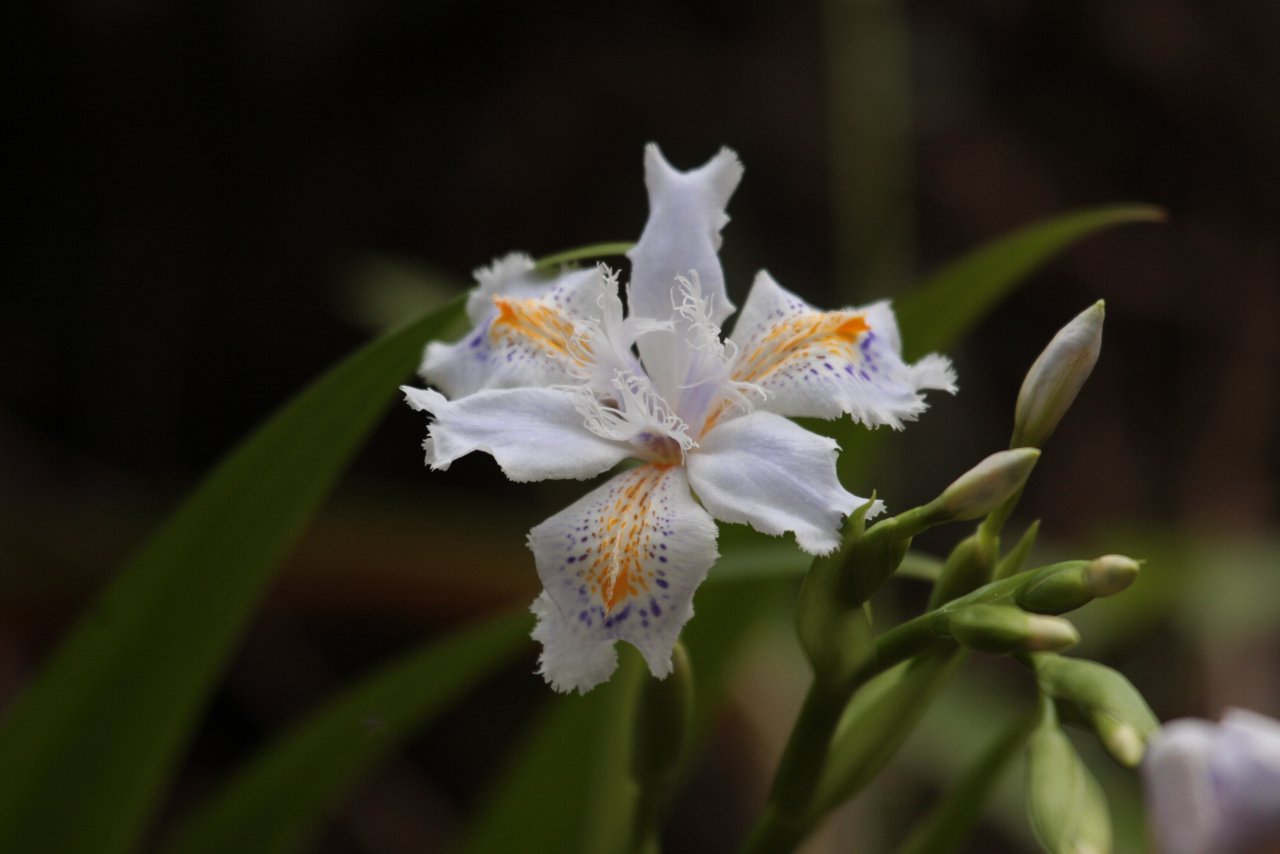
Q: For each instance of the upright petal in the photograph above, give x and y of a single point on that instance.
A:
(533, 433)
(827, 364)
(765, 471)
(530, 330)
(682, 236)
(686, 360)
(620, 564)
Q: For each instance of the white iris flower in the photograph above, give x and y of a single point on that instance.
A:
(1215, 788)
(555, 381)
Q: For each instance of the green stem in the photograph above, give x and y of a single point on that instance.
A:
(782, 823)
(787, 815)
(644, 821)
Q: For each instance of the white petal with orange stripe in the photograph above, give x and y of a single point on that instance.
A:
(619, 564)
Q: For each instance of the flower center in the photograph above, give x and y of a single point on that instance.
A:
(658, 448)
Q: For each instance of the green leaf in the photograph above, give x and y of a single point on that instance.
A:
(568, 789)
(276, 804)
(950, 303)
(596, 250)
(955, 299)
(88, 750)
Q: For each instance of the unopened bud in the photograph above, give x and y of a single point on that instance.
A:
(1003, 628)
(1109, 702)
(1069, 585)
(1121, 739)
(1057, 377)
(1109, 574)
(988, 484)
(1066, 805)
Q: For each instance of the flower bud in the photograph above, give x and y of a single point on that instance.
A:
(1003, 628)
(1067, 808)
(1109, 574)
(1121, 739)
(1057, 376)
(975, 493)
(1066, 586)
(1106, 699)
(987, 485)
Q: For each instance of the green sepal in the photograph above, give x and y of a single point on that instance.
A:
(1056, 589)
(1016, 558)
(832, 622)
(1067, 586)
(1006, 629)
(967, 568)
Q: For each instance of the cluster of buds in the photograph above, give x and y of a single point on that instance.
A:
(985, 601)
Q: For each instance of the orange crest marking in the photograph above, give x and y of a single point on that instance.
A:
(534, 322)
(616, 568)
(813, 334)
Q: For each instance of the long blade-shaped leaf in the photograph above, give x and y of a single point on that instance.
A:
(568, 788)
(88, 749)
(277, 803)
(953, 300)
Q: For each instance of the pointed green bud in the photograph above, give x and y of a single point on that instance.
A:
(987, 485)
(1109, 574)
(1069, 585)
(1067, 808)
(975, 493)
(1003, 628)
(1105, 698)
(1057, 376)
(1121, 739)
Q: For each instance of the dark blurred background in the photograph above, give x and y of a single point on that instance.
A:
(210, 203)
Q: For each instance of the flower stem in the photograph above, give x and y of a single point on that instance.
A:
(788, 814)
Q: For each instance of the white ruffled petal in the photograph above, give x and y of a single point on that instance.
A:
(620, 564)
(529, 330)
(573, 658)
(763, 470)
(533, 433)
(827, 364)
(682, 236)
